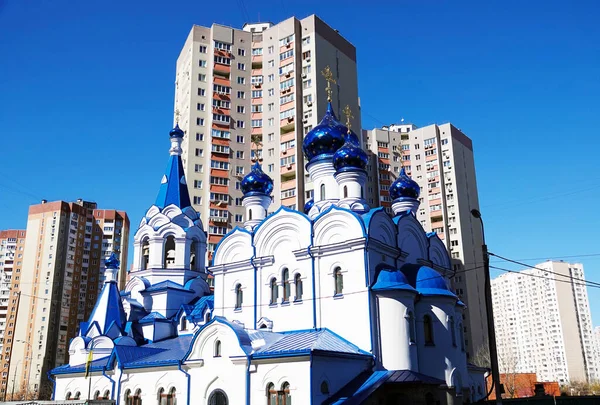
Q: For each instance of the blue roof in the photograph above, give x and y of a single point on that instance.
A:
(426, 280)
(151, 317)
(173, 187)
(167, 284)
(169, 351)
(97, 365)
(208, 301)
(108, 309)
(307, 341)
(392, 280)
(366, 383)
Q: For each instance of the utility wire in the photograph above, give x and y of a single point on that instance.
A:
(546, 278)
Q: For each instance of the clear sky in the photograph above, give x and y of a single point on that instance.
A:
(86, 101)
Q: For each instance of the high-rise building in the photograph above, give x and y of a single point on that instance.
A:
(11, 262)
(256, 91)
(543, 323)
(64, 249)
(440, 159)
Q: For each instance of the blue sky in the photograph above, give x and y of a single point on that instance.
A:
(86, 99)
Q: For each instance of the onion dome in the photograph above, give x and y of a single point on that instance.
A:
(112, 262)
(256, 182)
(326, 138)
(350, 157)
(176, 132)
(351, 137)
(404, 186)
(309, 204)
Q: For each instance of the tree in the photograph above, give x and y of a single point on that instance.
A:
(481, 358)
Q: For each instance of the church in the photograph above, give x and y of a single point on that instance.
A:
(339, 304)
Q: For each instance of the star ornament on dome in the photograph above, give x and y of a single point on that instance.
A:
(329, 78)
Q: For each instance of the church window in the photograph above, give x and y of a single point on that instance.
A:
(97, 395)
(217, 352)
(298, 284)
(322, 191)
(183, 323)
(169, 252)
(339, 281)
(218, 397)
(410, 318)
(324, 388)
(106, 394)
(68, 396)
(428, 330)
(137, 398)
(285, 275)
(274, 291)
(249, 215)
(345, 191)
(283, 396)
(207, 317)
(145, 254)
(238, 296)
(271, 394)
(127, 397)
(452, 330)
(193, 254)
(77, 395)
(165, 399)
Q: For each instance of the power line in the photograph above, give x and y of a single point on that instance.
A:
(545, 278)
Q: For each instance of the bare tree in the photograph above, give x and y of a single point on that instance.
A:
(508, 365)
(481, 358)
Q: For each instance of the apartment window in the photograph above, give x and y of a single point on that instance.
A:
(201, 92)
(430, 152)
(257, 93)
(417, 157)
(256, 108)
(305, 40)
(307, 84)
(271, 63)
(239, 154)
(201, 77)
(200, 107)
(256, 123)
(445, 141)
(241, 80)
(286, 69)
(288, 193)
(241, 94)
(287, 113)
(271, 106)
(271, 122)
(257, 79)
(241, 109)
(197, 183)
(241, 52)
(219, 197)
(221, 103)
(288, 144)
(271, 78)
(240, 139)
(307, 99)
(199, 152)
(238, 202)
(240, 124)
(429, 141)
(220, 181)
(287, 54)
(239, 218)
(271, 92)
(287, 40)
(222, 60)
(220, 149)
(288, 160)
(202, 48)
(271, 137)
(198, 168)
(221, 118)
(217, 230)
(216, 164)
(199, 136)
(271, 167)
(222, 46)
(307, 129)
(286, 84)
(239, 170)
(220, 89)
(217, 133)
(241, 66)
(306, 69)
(271, 49)
(306, 55)
(257, 51)
(200, 121)
(202, 63)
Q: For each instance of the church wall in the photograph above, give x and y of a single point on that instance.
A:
(336, 372)
(225, 297)
(396, 351)
(73, 384)
(295, 371)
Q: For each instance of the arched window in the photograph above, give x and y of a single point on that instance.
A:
(284, 397)
(183, 323)
(285, 275)
(217, 348)
(137, 398)
(428, 330)
(106, 394)
(68, 396)
(193, 253)
(274, 291)
(410, 319)
(77, 395)
(97, 395)
(345, 191)
(171, 396)
(322, 191)
(339, 281)
(298, 284)
(461, 334)
(239, 296)
(169, 252)
(271, 394)
(249, 215)
(161, 397)
(218, 397)
(324, 388)
(127, 397)
(207, 317)
(145, 254)
(452, 330)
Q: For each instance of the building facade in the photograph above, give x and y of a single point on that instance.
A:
(440, 159)
(338, 304)
(12, 243)
(543, 323)
(241, 92)
(64, 247)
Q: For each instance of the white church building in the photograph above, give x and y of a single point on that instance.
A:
(340, 304)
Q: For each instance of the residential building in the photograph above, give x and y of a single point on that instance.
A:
(12, 244)
(543, 323)
(243, 93)
(440, 159)
(64, 250)
(305, 309)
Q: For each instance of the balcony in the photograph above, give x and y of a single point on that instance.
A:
(219, 219)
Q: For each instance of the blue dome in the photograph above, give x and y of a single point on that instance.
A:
(112, 262)
(309, 204)
(350, 156)
(351, 137)
(404, 186)
(325, 138)
(176, 132)
(256, 182)
(392, 280)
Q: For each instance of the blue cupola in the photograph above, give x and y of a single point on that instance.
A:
(256, 182)
(176, 132)
(173, 186)
(308, 205)
(324, 139)
(404, 186)
(350, 156)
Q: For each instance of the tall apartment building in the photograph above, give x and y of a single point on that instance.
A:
(12, 244)
(543, 323)
(440, 159)
(263, 84)
(64, 249)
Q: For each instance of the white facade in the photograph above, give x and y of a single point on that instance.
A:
(306, 308)
(543, 323)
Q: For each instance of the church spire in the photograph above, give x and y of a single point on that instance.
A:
(173, 187)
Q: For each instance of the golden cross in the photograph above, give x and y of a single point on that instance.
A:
(329, 77)
(348, 113)
(177, 114)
